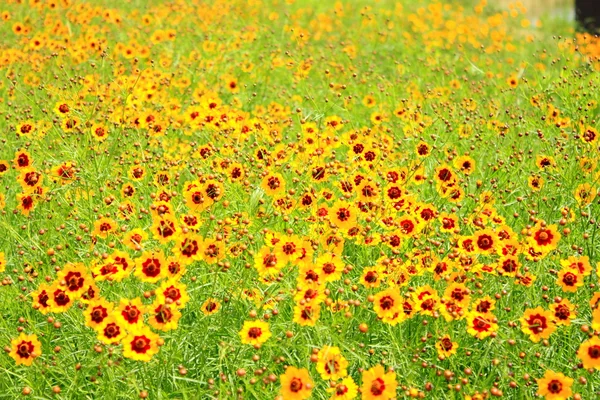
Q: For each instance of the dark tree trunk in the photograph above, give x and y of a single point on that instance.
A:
(587, 13)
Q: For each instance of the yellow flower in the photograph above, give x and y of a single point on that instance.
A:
(111, 331)
(331, 364)
(97, 312)
(103, 227)
(555, 386)
(295, 384)
(378, 385)
(343, 215)
(173, 292)
(210, 306)
(446, 347)
(151, 266)
(537, 323)
(589, 353)
(25, 348)
(162, 316)
(273, 184)
(387, 303)
(255, 332)
(330, 266)
(481, 325)
(141, 344)
(307, 315)
(585, 194)
(344, 390)
(135, 238)
(267, 263)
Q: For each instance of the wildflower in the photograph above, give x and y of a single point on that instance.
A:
(130, 313)
(344, 390)
(104, 227)
(25, 348)
(545, 238)
(342, 215)
(135, 238)
(273, 184)
(210, 306)
(331, 364)
(295, 384)
(111, 331)
(59, 300)
(446, 347)
(554, 386)
(41, 297)
(140, 345)
(570, 280)
(162, 316)
(387, 302)
(188, 248)
(150, 266)
(330, 267)
(589, 353)
(306, 315)
(255, 332)
(378, 385)
(537, 323)
(97, 312)
(266, 262)
(173, 292)
(481, 325)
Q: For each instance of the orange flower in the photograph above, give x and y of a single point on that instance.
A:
(150, 267)
(537, 323)
(97, 312)
(141, 344)
(25, 348)
(378, 385)
(343, 215)
(111, 331)
(255, 332)
(570, 280)
(295, 384)
(555, 386)
(545, 238)
(589, 353)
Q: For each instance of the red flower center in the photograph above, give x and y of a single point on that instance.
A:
(296, 385)
(25, 349)
(377, 387)
(140, 344)
(555, 386)
(594, 352)
(254, 332)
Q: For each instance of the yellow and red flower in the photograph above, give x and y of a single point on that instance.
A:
(446, 347)
(296, 384)
(151, 266)
(378, 384)
(141, 344)
(97, 312)
(331, 364)
(555, 386)
(111, 331)
(344, 390)
(25, 348)
(537, 323)
(481, 325)
(255, 332)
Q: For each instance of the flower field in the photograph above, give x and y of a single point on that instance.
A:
(286, 199)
